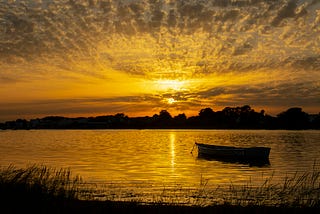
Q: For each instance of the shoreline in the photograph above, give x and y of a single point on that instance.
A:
(91, 206)
(46, 190)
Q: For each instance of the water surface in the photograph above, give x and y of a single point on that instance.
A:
(158, 158)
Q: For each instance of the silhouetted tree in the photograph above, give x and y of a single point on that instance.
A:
(248, 118)
(164, 115)
(207, 117)
(229, 118)
(21, 124)
(120, 120)
(142, 122)
(180, 120)
(315, 121)
(293, 118)
(206, 113)
(181, 117)
(164, 120)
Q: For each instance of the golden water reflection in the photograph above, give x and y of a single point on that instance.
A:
(172, 149)
(148, 160)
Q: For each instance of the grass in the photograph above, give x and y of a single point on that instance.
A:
(299, 190)
(39, 181)
(39, 189)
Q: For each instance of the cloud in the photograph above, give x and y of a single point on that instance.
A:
(265, 95)
(7, 80)
(269, 95)
(160, 39)
(221, 33)
(79, 106)
(287, 10)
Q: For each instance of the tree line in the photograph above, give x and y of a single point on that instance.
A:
(229, 118)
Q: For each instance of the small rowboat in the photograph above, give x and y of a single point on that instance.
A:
(233, 153)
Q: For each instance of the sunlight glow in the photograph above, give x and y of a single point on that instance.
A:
(139, 57)
(171, 100)
(171, 85)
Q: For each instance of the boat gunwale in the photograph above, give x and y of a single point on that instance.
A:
(230, 147)
(233, 153)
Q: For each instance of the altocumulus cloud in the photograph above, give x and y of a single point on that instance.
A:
(171, 39)
(204, 36)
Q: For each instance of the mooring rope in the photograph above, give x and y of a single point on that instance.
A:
(193, 147)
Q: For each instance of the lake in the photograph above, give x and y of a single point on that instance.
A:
(150, 161)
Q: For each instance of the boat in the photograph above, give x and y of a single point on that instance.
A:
(234, 154)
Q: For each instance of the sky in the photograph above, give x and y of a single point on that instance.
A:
(100, 57)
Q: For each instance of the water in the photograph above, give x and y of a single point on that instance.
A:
(153, 160)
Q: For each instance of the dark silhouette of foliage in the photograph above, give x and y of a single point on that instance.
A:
(243, 117)
(164, 115)
(206, 113)
(180, 120)
(293, 118)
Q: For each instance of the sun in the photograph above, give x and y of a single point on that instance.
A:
(171, 100)
(170, 90)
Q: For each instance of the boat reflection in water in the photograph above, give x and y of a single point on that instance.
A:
(254, 156)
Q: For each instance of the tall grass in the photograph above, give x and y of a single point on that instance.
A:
(299, 190)
(40, 183)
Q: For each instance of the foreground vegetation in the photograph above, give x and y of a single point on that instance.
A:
(39, 189)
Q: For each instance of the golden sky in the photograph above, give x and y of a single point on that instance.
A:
(97, 57)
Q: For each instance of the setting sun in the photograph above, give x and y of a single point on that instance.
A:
(149, 54)
(171, 100)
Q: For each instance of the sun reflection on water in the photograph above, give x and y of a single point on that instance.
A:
(172, 149)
